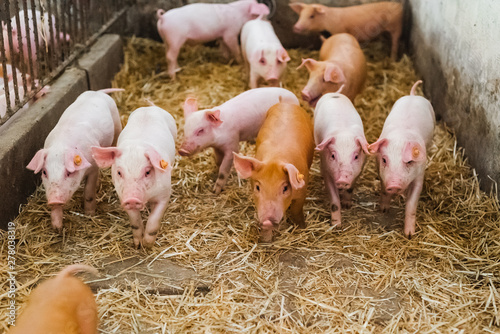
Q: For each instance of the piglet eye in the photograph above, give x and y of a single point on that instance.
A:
(409, 162)
(384, 161)
(262, 61)
(285, 188)
(119, 174)
(311, 17)
(356, 157)
(148, 172)
(68, 173)
(44, 172)
(257, 188)
(199, 132)
(333, 156)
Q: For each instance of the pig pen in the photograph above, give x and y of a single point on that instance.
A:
(208, 274)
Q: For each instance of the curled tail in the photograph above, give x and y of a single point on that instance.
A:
(414, 88)
(159, 13)
(339, 91)
(111, 90)
(75, 268)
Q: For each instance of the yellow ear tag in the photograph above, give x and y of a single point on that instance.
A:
(300, 177)
(163, 164)
(77, 160)
(415, 152)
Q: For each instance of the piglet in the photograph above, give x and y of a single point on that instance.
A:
(263, 52)
(402, 152)
(66, 159)
(340, 138)
(365, 22)
(45, 33)
(224, 126)
(342, 63)
(63, 304)
(280, 169)
(141, 168)
(203, 22)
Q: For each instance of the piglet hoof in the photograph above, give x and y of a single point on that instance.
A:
(384, 208)
(335, 223)
(217, 189)
(137, 243)
(302, 225)
(409, 233)
(90, 212)
(148, 241)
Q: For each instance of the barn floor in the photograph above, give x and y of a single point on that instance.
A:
(208, 274)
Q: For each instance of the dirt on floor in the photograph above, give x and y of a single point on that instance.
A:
(208, 274)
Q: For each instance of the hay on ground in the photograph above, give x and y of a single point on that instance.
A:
(363, 277)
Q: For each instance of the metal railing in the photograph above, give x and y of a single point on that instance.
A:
(41, 37)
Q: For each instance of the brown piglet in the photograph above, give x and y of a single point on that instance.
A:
(63, 304)
(342, 68)
(365, 22)
(280, 169)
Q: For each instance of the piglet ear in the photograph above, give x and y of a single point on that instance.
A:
(245, 166)
(297, 7)
(309, 63)
(283, 56)
(105, 156)
(295, 177)
(259, 9)
(325, 143)
(413, 151)
(213, 116)
(74, 160)
(361, 141)
(156, 160)
(190, 105)
(334, 74)
(36, 164)
(375, 147)
(319, 9)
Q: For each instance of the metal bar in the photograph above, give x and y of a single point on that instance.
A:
(39, 70)
(52, 53)
(21, 58)
(12, 57)
(57, 35)
(73, 56)
(4, 65)
(28, 44)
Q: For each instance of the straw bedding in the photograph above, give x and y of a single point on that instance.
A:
(363, 277)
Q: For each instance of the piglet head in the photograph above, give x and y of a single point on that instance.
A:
(62, 172)
(324, 77)
(134, 172)
(270, 64)
(345, 157)
(400, 162)
(273, 185)
(310, 17)
(199, 127)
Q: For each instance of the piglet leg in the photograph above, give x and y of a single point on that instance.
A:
(56, 216)
(173, 48)
(137, 226)
(333, 194)
(232, 43)
(253, 79)
(225, 167)
(414, 191)
(297, 212)
(154, 222)
(385, 199)
(89, 192)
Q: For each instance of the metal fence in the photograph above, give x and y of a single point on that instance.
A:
(41, 37)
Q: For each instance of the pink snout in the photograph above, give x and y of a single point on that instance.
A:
(306, 96)
(393, 188)
(343, 185)
(297, 29)
(133, 203)
(55, 202)
(267, 225)
(183, 152)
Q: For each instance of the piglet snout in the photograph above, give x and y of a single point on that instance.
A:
(306, 96)
(343, 185)
(133, 203)
(297, 30)
(393, 189)
(55, 202)
(267, 225)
